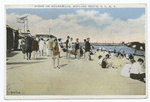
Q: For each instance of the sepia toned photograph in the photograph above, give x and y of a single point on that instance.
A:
(76, 50)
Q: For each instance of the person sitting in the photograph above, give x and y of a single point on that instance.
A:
(108, 56)
(115, 51)
(105, 64)
(109, 51)
(127, 56)
(112, 53)
(103, 49)
(100, 49)
(131, 56)
(135, 72)
(120, 56)
(125, 72)
(105, 52)
(100, 59)
(123, 54)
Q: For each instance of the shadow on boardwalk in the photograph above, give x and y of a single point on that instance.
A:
(12, 54)
(10, 63)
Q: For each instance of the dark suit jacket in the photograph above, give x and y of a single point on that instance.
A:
(87, 46)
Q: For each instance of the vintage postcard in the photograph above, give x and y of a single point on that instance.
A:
(76, 51)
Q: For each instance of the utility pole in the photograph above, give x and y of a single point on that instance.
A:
(49, 30)
(24, 27)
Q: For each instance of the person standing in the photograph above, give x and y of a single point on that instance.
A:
(77, 51)
(87, 48)
(67, 46)
(70, 47)
(35, 47)
(56, 53)
(19, 43)
(47, 47)
(23, 48)
(41, 46)
(28, 43)
(51, 45)
(59, 45)
(83, 46)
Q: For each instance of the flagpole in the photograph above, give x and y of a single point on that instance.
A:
(27, 24)
(24, 27)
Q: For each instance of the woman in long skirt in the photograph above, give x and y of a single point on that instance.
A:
(56, 53)
(77, 46)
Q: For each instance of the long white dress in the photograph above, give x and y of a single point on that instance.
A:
(41, 45)
(59, 43)
(19, 44)
(125, 72)
(70, 45)
(47, 47)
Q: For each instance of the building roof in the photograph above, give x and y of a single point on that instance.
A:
(45, 35)
(12, 27)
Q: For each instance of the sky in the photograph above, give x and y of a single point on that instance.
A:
(99, 24)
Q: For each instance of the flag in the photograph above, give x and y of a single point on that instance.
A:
(22, 19)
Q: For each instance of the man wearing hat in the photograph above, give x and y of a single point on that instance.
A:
(87, 48)
(35, 47)
(67, 46)
(77, 45)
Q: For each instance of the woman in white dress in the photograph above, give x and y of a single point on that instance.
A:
(41, 46)
(47, 47)
(70, 47)
(19, 43)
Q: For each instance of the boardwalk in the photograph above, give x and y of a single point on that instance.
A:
(75, 77)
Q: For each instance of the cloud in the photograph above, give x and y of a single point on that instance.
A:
(98, 26)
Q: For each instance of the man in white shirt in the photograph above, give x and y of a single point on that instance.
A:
(135, 72)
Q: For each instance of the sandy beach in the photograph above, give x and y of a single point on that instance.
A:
(75, 77)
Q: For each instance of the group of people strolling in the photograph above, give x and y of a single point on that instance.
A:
(54, 46)
(83, 49)
(29, 44)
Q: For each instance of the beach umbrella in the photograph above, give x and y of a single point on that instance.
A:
(136, 45)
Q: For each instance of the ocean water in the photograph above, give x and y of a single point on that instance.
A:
(127, 50)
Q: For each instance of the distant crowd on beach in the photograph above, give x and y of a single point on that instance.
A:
(54, 46)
